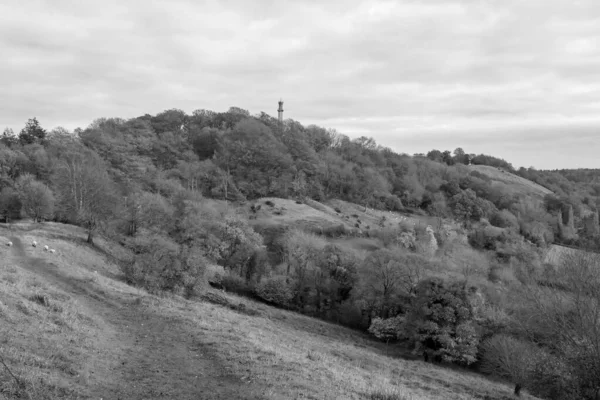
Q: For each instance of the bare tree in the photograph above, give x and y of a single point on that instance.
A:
(86, 191)
(509, 358)
(566, 316)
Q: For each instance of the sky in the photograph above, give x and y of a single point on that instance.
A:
(517, 79)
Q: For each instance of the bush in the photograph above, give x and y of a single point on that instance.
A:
(214, 274)
(270, 203)
(237, 284)
(504, 219)
(275, 290)
(350, 315)
(551, 378)
(388, 329)
(162, 265)
(335, 231)
(337, 210)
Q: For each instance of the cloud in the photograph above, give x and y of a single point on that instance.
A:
(518, 79)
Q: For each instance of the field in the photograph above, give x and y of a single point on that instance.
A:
(70, 328)
(312, 214)
(512, 182)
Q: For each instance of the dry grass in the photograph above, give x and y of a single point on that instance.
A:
(288, 212)
(514, 182)
(44, 336)
(48, 336)
(373, 218)
(556, 253)
(299, 357)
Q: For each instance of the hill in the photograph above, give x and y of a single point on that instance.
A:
(72, 329)
(309, 220)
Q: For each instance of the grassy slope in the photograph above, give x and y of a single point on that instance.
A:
(99, 337)
(555, 253)
(515, 183)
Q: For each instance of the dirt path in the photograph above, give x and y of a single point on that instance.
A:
(142, 355)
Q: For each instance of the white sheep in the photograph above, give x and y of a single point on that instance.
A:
(46, 248)
(52, 251)
(9, 244)
(34, 243)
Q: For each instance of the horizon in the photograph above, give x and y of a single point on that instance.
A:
(512, 80)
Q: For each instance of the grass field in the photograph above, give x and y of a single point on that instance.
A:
(71, 328)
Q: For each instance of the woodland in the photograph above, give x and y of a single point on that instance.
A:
(471, 289)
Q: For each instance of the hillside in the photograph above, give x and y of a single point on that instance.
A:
(104, 339)
(311, 221)
(514, 183)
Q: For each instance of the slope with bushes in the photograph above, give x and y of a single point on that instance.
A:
(72, 329)
(305, 219)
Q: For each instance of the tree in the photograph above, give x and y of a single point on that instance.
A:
(160, 264)
(86, 193)
(509, 358)
(10, 204)
(447, 157)
(335, 276)
(441, 321)
(389, 276)
(32, 132)
(36, 198)
(435, 155)
(255, 158)
(460, 157)
(8, 137)
(566, 316)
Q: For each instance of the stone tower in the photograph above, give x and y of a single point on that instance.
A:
(280, 111)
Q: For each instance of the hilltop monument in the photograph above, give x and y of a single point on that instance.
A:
(280, 111)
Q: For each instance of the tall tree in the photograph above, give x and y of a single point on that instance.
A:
(36, 198)
(8, 137)
(86, 193)
(32, 132)
(10, 204)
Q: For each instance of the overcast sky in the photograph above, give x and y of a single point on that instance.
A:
(518, 79)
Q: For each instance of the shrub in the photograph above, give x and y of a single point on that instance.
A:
(551, 378)
(335, 231)
(270, 203)
(162, 265)
(504, 219)
(406, 226)
(236, 284)
(349, 314)
(275, 290)
(214, 274)
(387, 329)
(337, 210)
